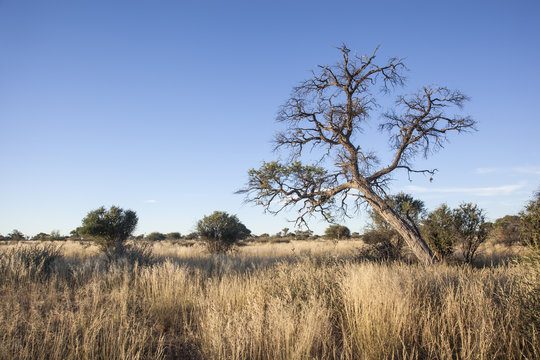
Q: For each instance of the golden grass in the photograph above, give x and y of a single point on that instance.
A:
(263, 302)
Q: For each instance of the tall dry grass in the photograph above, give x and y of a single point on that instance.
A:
(260, 303)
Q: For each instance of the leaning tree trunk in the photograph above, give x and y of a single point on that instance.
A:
(411, 236)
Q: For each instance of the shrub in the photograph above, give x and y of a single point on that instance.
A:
(109, 228)
(41, 237)
(174, 236)
(337, 232)
(383, 245)
(439, 231)
(155, 236)
(192, 236)
(16, 235)
(220, 231)
(471, 229)
(506, 230)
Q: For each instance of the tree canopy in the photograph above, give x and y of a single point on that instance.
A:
(109, 228)
(220, 231)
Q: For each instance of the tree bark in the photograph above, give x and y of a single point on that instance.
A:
(403, 228)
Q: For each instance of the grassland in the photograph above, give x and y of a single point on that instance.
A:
(297, 300)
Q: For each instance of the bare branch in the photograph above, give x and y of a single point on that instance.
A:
(327, 112)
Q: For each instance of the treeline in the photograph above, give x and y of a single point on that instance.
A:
(444, 229)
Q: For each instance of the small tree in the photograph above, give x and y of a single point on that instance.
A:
(155, 236)
(56, 236)
(220, 231)
(337, 232)
(16, 235)
(439, 231)
(471, 229)
(174, 236)
(109, 228)
(506, 230)
(192, 236)
(41, 237)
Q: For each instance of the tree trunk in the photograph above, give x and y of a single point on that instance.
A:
(413, 239)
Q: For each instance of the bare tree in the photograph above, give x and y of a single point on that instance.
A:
(329, 112)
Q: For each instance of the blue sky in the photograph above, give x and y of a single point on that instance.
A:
(163, 106)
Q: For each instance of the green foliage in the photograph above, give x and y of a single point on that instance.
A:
(506, 230)
(303, 234)
(109, 228)
(373, 237)
(384, 241)
(55, 236)
(264, 181)
(155, 236)
(174, 236)
(192, 236)
(337, 232)
(16, 235)
(470, 229)
(220, 231)
(408, 208)
(40, 237)
(438, 231)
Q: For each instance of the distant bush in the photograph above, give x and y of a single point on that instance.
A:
(220, 231)
(506, 230)
(16, 235)
(192, 236)
(110, 228)
(41, 237)
(155, 236)
(337, 232)
(302, 234)
(56, 236)
(174, 236)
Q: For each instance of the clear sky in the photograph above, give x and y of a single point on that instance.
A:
(162, 106)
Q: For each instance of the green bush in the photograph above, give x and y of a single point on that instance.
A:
(506, 230)
(337, 232)
(220, 231)
(155, 236)
(174, 236)
(109, 228)
(382, 245)
(471, 229)
(16, 235)
(438, 231)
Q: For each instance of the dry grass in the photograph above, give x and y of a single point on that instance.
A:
(265, 301)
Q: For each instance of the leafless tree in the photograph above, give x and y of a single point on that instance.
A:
(329, 112)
